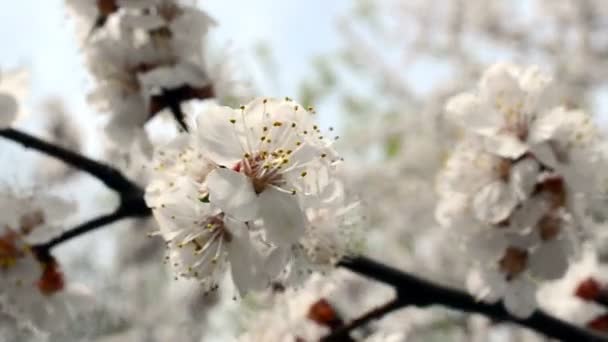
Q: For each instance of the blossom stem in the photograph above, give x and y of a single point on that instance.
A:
(132, 203)
(342, 333)
(108, 175)
(415, 291)
(132, 208)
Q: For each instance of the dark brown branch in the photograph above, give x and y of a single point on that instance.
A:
(131, 208)
(132, 203)
(418, 292)
(110, 176)
(341, 333)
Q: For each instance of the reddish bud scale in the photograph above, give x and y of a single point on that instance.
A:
(589, 289)
(324, 314)
(51, 280)
(8, 245)
(600, 323)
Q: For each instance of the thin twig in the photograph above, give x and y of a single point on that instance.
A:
(132, 203)
(107, 174)
(418, 292)
(128, 209)
(341, 333)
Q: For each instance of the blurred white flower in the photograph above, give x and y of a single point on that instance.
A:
(31, 289)
(511, 190)
(145, 56)
(516, 111)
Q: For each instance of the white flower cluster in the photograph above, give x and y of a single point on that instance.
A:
(515, 187)
(25, 282)
(308, 314)
(145, 56)
(255, 188)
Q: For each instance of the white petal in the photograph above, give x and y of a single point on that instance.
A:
(284, 220)
(487, 285)
(451, 210)
(245, 262)
(467, 110)
(219, 137)
(550, 260)
(8, 110)
(499, 85)
(494, 202)
(505, 145)
(520, 298)
(232, 192)
(527, 216)
(523, 177)
(545, 154)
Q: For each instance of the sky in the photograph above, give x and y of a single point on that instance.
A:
(37, 35)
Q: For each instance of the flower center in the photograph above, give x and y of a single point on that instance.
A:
(513, 262)
(263, 168)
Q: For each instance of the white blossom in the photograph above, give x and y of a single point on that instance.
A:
(30, 289)
(509, 190)
(256, 188)
(271, 159)
(145, 56)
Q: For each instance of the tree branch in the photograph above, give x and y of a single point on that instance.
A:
(131, 208)
(414, 291)
(110, 176)
(132, 203)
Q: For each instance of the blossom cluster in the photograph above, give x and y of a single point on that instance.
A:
(515, 188)
(27, 279)
(308, 314)
(255, 188)
(145, 57)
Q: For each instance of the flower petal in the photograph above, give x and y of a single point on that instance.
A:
(219, 137)
(505, 145)
(520, 298)
(245, 262)
(468, 111)
(523, 177)
(485, 285)
(284, 220)
(550, 260)
(233, 193)
(494, 202)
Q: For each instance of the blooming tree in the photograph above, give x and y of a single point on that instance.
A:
(471, 208)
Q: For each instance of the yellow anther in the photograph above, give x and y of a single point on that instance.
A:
(232, 121)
